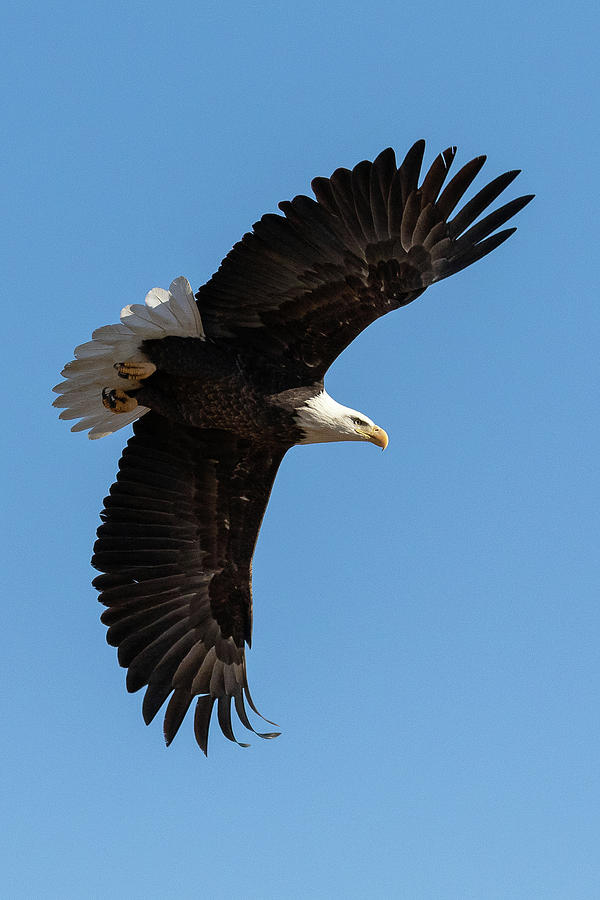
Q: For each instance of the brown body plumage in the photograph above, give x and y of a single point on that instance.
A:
(204, 384)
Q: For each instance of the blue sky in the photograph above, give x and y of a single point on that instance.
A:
(426, 620)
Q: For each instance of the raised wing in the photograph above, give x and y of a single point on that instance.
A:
(299, 288)
(180, 526)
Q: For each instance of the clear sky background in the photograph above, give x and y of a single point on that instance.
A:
(427, 625)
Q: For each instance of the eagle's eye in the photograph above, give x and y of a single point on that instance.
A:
(356, 421)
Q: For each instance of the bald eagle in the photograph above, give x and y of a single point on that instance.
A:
(220, 384)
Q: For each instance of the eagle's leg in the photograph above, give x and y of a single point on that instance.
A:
(118, 401)
(135, 370)
(131, 370)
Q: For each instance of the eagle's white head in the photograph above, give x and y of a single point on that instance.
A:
(323, 419)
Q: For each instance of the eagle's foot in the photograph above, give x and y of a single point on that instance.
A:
(135, 371)
(118, 401)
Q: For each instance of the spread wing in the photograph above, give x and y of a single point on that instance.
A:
(180, 526)
(299, 288)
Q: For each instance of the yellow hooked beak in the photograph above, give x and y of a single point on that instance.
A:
(375, 435)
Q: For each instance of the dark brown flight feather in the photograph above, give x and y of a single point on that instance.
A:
(177, 580)
(299, 288)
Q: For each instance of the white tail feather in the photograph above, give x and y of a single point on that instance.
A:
(164, 314)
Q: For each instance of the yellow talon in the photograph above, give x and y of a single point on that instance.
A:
(118, 401)
(135, 371)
